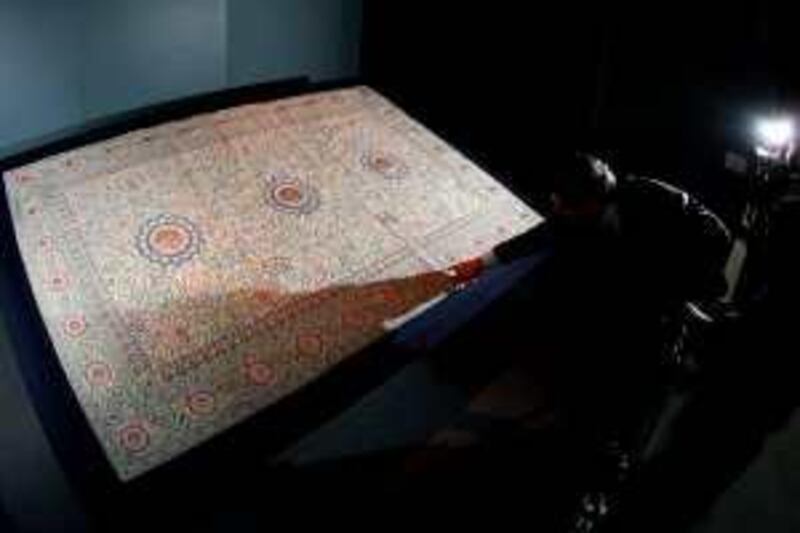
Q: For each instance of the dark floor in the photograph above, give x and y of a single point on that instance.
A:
(513, 405)
(766, 498)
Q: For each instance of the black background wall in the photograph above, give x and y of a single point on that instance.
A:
(661, 88)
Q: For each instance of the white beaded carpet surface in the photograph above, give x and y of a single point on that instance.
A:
(193, 273)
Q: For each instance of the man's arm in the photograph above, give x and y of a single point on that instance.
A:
(525, 244)
(711, 247)
(698, 240)
(522, 245)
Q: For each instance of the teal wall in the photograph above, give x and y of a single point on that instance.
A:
(137, 52)
(280, 38)
(40, 81)
(66, 61)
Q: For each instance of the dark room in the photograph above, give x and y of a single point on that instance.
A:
(301, 262)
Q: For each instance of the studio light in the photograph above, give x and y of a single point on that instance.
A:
(775, 137)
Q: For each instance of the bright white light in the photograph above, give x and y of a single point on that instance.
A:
(775, 133)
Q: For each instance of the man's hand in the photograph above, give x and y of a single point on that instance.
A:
(467, 271)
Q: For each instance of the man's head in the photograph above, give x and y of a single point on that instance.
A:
(582, 185)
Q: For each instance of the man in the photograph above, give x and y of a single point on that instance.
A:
(671, 245)
(623, 253)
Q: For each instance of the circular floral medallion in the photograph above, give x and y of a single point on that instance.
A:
(387, 165)
(134, 437)
(259, 373)
(99, 374)
(292, 195)
(59, 282)
(390, 298)
(310, 344)
(201, 403)
(356, 317)
(75, 326)
(169, 240)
